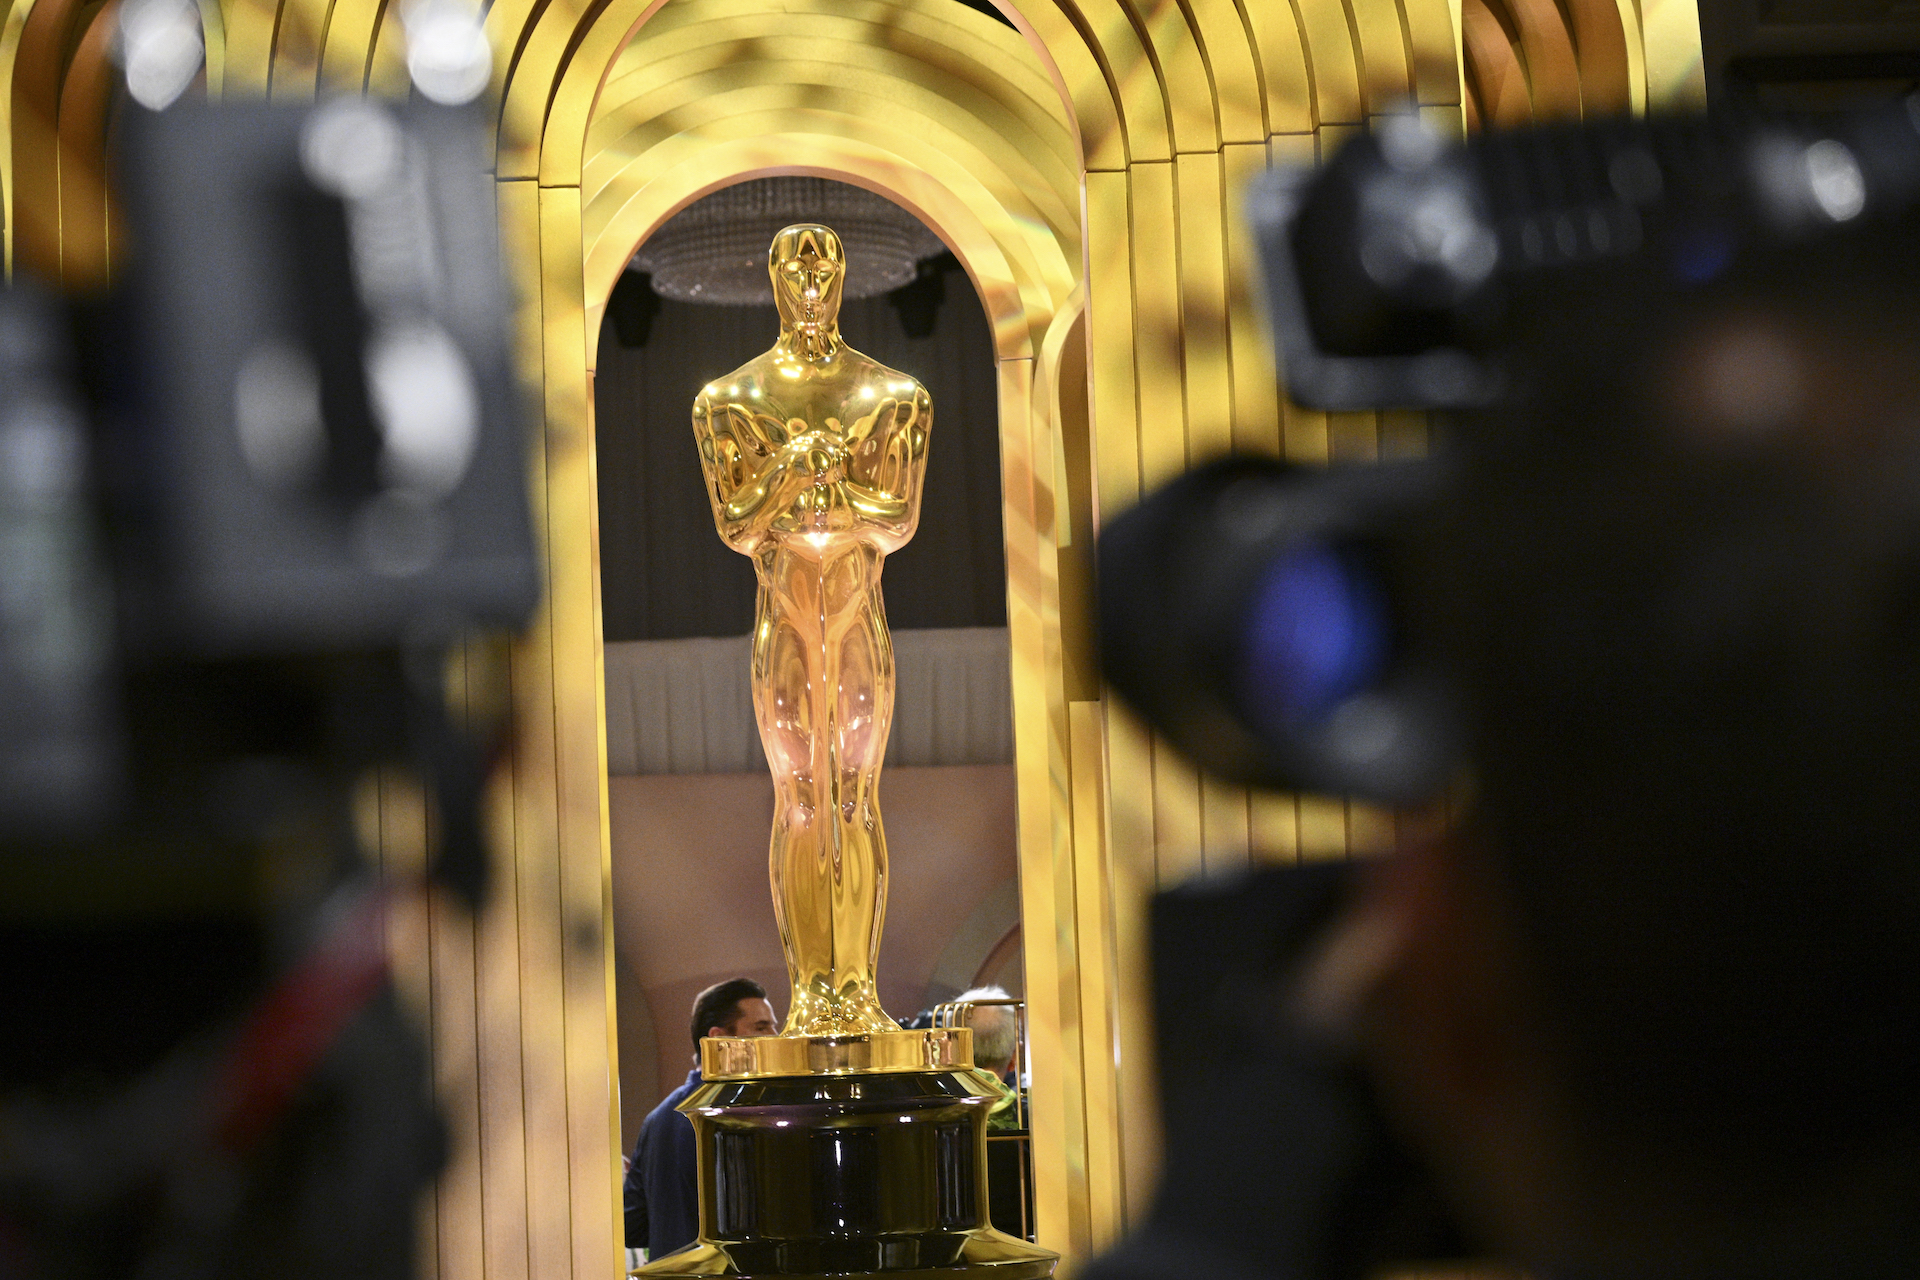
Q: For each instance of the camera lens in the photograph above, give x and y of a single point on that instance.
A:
(1315, 633)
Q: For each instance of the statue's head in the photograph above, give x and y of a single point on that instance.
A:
(807, 265)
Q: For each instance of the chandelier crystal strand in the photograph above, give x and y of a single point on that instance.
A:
(715, 250)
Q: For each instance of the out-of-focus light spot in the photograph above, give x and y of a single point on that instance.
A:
(1835, 179)
(161, 47)
(448, 55)
(351, 147)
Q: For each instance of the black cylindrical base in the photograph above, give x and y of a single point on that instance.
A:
(814, 1176)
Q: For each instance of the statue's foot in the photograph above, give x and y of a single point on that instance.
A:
(851, 1015)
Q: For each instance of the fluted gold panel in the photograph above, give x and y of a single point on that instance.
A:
(1087, 168)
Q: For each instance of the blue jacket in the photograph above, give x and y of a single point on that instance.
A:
(662, 1188)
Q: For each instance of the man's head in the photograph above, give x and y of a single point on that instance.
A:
(736, 1007)
(995, 1030)
(808, 267)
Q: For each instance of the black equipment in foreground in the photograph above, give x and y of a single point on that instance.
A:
(1559, 296)
(250, 506)
(1653, 599)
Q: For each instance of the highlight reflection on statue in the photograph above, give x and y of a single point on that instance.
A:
(814, 457)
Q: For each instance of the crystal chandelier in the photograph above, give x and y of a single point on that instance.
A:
(715, 249)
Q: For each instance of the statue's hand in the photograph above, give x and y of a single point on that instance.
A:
(818, 456)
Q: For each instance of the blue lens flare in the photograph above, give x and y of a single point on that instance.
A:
(1316, 633)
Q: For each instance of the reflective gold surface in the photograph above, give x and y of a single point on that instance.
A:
(744, 1058)
(814, 457)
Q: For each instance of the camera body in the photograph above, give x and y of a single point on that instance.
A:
(250, 504)
(1563, 300)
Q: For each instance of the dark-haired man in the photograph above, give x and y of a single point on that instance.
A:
(662, 1191)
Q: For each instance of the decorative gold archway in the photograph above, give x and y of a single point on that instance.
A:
(1086, 168)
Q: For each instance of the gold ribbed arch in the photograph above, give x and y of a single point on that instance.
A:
(1085, 166)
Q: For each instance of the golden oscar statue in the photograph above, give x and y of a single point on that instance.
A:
(814, 457)
(844, 1145)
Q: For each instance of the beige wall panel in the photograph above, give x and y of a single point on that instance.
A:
(689, 855)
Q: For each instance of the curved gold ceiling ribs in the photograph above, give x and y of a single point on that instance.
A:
(1036, 266)
(1546, 49)
(1326, 42)
(535, 82)
(56, 53)
(1386, 78)
(86, 210)
(1239, 89)
(1012, 174)
(1436, 65)
(1083, 79)
(1129, 71)
(1600, 44)
(1495, 76)
(672, 95)
(1286, 73)
(1175, 51)
(950, 98)
(940, 74)
(578, 89)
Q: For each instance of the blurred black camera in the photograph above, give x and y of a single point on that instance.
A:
(1539, 290)
(1648, 608)
(249, 504)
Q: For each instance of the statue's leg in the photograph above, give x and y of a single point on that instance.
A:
(800, 852)
(862, 713)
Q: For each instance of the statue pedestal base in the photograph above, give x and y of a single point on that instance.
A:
(864, 1172)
